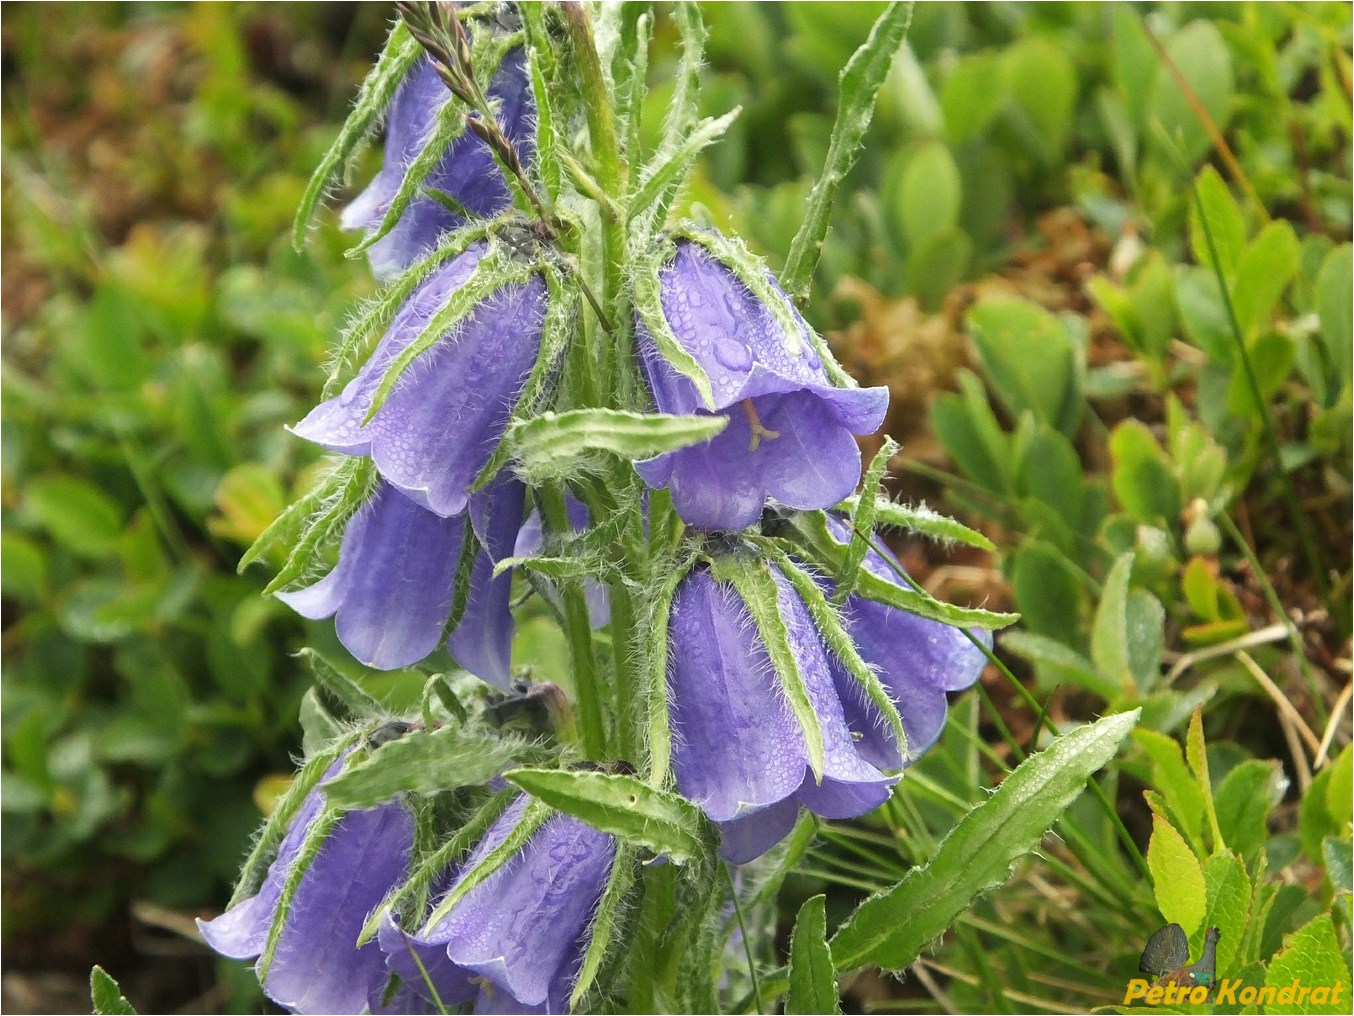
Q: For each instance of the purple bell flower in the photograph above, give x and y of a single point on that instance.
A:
(918, 660)
(440, 425)
(515, 942)
(791, 437)
(738, 751)
(317, 966)
(467, 170)
(393, 586)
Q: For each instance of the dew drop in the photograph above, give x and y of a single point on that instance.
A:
(733, 354)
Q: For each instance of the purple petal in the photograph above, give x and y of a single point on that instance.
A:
(467, 170)
(482, 641)
(522, 928)
(438, 428)
(750, 836)
(317, 967)
(723, 483)
(736, 746)
(242, 931)
(336, 424)
(405, 952)
(392, 588)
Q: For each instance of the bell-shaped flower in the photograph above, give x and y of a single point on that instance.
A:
(392, 590)
(917, 659)
(466, 171)
(738, 750)
(317, 966)
(442, 420)
(790, 429)
(514, 942)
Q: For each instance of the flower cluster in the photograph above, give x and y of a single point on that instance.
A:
(785, 671)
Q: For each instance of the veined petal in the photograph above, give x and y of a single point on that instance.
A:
(395, 577)
(736, 746)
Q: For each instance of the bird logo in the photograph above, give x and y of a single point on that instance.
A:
(1167, 958)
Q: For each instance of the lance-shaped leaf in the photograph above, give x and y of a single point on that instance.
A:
(857, 86)
(401, 52)
(541, 63)
(665, 178)
(425, 762)
(648, 301)
(889, 514)
(555, 445)
(106, 996)
(341, 686)
(820, 549)
(265, 845)
(813, 981)
(891, 928)
(757, 589)
(532, 818)
(314, 520)
(862, 521)
(624, 806)
(604, 923)
(837, 639)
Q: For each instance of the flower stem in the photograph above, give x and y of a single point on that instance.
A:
(578, 633)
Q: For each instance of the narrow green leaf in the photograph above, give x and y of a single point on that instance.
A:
(552, 445)
(1215, 201)
(919, 519)
(761, 596)
(1061, 662)
(316, 835)
(891, 928)
(659, 729)
(862, 521)
(425, 762)
(493, 272)
(1177, 878)
(1196, 754)
(342, 687)
(813, 982)
(106, 996)
(686, 95)
(315, 519)
(1244, 800)
(410, 900)
(541, 61)
(401, 52)
(375, 314)
(265, 846)
(666, 176)
(839, 642)
(1173, 779)
(621, 805)
(648, 304)
(1335, 307)
(604, 923)
(1229, 906)
(1109, 635)
(1030, 360)
(532, 819)
(857, 86)
(449, 124)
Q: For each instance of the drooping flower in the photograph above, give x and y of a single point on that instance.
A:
(466, 172)
(515, 942)
(441, 422)
(317, 966)
(738, 750)
(392, 590)
(790, 429)
(917, 659)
